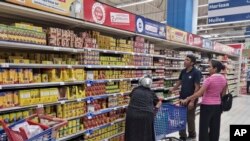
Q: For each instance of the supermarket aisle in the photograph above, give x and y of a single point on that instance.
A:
(239, 114)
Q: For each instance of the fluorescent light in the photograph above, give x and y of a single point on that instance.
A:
(133, 3)
(230, 37)
(204, 5)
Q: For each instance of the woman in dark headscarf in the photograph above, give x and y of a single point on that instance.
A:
(140, 112)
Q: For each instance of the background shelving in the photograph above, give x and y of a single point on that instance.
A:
(94, 76)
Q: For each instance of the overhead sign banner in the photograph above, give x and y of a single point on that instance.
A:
(223, 48)
(222, 11)
(194, 40)
(71, 8)
(150, 27)
(177, 35)
(208, 44)
(107, 15)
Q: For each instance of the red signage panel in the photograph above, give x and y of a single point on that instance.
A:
(107, 15)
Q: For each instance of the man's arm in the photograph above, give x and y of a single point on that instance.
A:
(177, 85)
(197, 80)
(197, 87)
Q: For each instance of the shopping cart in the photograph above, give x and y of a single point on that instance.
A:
(48, 134)
(169, 119)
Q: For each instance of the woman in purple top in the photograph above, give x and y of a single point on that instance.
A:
(213, 88)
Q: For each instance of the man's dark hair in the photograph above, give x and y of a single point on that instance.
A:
(192, 58)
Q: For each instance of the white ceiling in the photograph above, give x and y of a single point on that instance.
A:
(227, 33)
(155, 10)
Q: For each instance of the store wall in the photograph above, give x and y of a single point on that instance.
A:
(180, 14)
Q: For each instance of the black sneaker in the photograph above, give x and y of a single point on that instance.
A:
(183, 138)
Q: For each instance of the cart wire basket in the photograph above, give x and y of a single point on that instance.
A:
(169, 119)
(48, 134)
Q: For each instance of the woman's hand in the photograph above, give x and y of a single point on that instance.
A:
(158, 105)
(185, 101)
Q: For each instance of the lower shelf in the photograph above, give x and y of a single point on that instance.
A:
(88, 131)
(113, 136)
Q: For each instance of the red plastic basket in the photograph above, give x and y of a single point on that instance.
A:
(49, 132)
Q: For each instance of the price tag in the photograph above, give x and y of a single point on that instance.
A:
(62, 102)
(122, 94)
(116, 52)
(40, 106)
(0, 87)
(126, 67)
(69, 66)
(124, 106)
(56, 49)
(108, 67)
(90, 117)
(75, 50)
(5, 65)
(87, 134)
(105, 51)
(88, 100)
(112, 123)
(115, 108)
(79, 100)
(133, 53)
(89, 49)
(62, 83)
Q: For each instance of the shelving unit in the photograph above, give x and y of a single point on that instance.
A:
(163, 82)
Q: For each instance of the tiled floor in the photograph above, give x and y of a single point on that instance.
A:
(239, 114)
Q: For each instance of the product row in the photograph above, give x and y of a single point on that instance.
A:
(49, 95)
(25, 76)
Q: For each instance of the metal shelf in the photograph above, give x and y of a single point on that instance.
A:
(174, 78)
(232, 83)
(173, 58)
(50, 84)
(171, 98)
(118, 134)
(204, 64)
(12, 65)
(99, 112)
(87, 99)
(54, 18)
(89, 130)
(35, 85)
(160, 88)
(173, 68)
(122, 67)
(27, 46)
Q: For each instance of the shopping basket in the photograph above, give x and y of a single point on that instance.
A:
(49, 133)
(170, 118)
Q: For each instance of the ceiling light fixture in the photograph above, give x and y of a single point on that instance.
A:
(133, 3)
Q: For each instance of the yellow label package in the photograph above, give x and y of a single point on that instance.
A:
(24, 97)
(20, 76)
(45, 95)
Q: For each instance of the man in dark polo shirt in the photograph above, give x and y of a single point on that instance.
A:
(189, 80)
